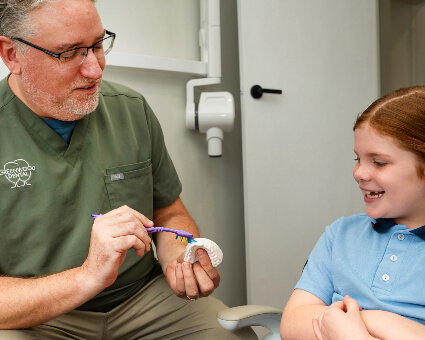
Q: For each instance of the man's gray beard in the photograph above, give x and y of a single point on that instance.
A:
(65, 110)
(79, 107)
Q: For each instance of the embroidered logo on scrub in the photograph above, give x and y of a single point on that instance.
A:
(18, 172)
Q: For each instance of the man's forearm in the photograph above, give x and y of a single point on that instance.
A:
(26, 302)
(174, 216)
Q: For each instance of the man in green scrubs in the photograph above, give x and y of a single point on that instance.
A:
(72, 145)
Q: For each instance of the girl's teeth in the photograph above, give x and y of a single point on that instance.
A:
(370, 194)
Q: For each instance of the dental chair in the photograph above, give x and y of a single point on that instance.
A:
(236, 318)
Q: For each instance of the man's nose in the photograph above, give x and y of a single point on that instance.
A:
(92, 67)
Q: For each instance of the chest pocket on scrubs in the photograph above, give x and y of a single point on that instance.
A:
(131, 185)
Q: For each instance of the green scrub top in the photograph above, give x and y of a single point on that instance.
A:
(49, 189)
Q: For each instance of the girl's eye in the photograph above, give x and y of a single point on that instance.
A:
(379, 164)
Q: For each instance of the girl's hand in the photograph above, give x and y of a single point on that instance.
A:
(341, 320)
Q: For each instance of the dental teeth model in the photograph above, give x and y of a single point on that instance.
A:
(213, 250)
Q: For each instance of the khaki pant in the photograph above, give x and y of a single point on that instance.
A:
(155, 312)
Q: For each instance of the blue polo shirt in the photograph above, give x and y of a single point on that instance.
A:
(377, 262)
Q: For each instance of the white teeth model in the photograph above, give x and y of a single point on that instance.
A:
(213, 250)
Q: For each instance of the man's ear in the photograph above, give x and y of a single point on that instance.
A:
(9, 54)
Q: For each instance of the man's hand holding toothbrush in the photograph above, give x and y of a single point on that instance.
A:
(112, 235)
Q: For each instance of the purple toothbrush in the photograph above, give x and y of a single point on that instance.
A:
(182, 235)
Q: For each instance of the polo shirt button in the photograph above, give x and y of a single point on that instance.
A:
(400, 237)
(393, 258)
(385, 277)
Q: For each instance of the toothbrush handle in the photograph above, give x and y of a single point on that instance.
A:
(179, 233)
(158, 229)
(149, 230)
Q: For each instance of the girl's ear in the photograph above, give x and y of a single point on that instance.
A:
(9, 54)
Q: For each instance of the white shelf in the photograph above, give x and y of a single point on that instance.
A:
(156, 63)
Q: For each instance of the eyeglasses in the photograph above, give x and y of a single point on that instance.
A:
(75, 57)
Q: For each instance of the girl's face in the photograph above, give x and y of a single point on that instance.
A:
(388, 178)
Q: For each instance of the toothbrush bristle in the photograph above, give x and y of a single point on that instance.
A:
(185, 239)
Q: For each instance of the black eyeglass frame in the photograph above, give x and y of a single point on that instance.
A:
(57, 55)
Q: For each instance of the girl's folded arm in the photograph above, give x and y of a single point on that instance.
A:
(390, 326)
(299, 312)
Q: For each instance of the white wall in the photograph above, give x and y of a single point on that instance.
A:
(212, 188)
(3, 70)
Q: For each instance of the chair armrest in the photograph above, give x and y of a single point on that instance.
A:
(235, 318)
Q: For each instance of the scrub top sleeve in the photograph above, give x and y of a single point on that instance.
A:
(166, 184)
(317, 276)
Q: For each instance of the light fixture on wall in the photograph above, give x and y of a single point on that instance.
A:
(215, 112)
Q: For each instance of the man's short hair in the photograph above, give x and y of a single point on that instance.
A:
(14, 17)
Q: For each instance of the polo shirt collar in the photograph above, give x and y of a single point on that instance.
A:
(381, 225)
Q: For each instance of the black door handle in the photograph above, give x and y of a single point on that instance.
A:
(257, 91)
